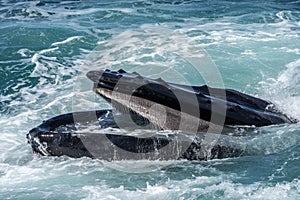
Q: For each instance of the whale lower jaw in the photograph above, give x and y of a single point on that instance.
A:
(164, 117)
(63, 135)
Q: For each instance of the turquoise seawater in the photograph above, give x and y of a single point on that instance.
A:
(46, 47)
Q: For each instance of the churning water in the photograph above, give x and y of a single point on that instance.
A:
(46, 47)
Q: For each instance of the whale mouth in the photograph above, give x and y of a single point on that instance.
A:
(201, 104)
(153, 103)
(155, 100)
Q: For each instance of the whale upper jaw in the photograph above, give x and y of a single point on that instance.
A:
(132, 91)
(228, 107)
(108, 79)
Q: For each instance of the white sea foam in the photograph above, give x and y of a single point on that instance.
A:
(248, 52)
(198, 188)
(39, 66)
(24, 52)
(66, 40)
(284, 90)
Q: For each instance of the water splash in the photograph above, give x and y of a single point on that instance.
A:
(284, 90)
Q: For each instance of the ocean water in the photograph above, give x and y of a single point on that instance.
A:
(46, 47)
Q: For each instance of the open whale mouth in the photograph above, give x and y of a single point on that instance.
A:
(165, 103)
(156, 103)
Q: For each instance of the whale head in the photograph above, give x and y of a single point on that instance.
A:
(166, 103)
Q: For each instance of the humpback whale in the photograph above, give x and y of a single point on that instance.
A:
(153, 103)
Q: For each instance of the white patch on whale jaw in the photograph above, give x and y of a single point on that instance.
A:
(164, 117)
